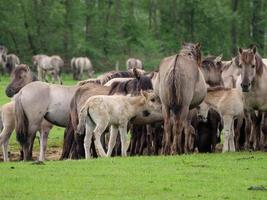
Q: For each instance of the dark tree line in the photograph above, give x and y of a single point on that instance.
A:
(110, 31)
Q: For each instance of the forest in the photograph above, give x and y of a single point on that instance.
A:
(110, 31)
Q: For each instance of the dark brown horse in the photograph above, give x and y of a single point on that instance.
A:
(181, 87)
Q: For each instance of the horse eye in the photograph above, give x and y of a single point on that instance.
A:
(153, 100)
(253, 66)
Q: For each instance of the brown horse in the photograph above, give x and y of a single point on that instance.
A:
(181, 87)
(20, 77)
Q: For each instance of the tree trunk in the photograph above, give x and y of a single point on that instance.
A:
(233, 26)
(27, 27)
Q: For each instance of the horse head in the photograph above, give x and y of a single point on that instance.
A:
(251, 66)
(192, 50)
(212, 68)
(20, 77)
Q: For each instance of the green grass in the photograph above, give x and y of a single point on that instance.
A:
(197, 176)
(200, 176)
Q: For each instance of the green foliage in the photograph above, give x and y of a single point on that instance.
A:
(110, 31)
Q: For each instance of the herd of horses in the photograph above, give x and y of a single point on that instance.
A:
(182, 107)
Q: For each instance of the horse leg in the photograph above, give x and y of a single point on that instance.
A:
(88, 138)
(228, 134)
(112, 139)
(167, 130)
(98, 131)
(178, 127)
(43, 145)
(143, 140)
(123, 135)
(81, 73)
(68, 141)
(138, 139)
(248, 129)
(4, 137)
(232, 137)
(149, 139)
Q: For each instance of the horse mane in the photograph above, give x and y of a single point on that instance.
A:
(134, 86)
(118, 87)
(114, 74)
(208, 60)
(259, 64)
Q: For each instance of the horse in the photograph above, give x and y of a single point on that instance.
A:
(10, 62)
(228, 102)
(3, 53)
(8, 125)
(140, 134)
(51, 101)
(78, 65)
(52, 64)
(252, 84)
(101, 111)
(181, 87)
(74, 144)
(134, 63)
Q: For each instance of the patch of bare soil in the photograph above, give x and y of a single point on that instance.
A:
(51, 154)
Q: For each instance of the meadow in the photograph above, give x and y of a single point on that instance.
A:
(195, 176)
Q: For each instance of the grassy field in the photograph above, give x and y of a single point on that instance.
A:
(206, 176)
(196, 176)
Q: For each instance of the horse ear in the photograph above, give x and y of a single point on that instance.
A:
(136, 73)
(198, 46)
(144, 94)
(218, 59)
(254, 49)
(240, 50)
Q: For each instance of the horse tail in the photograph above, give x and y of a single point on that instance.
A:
(21, 121)
(83, 116)
(175, 87)
(74, 113)
(81, 121)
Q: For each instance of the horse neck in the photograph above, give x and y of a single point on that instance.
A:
(136, 104)
(260, 80)
(214, 97)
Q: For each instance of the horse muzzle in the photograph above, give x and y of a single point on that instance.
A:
(10, 92)
(202, 118)
(146, 113)
(245, 87)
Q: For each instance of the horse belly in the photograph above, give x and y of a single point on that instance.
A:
(58, 117)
